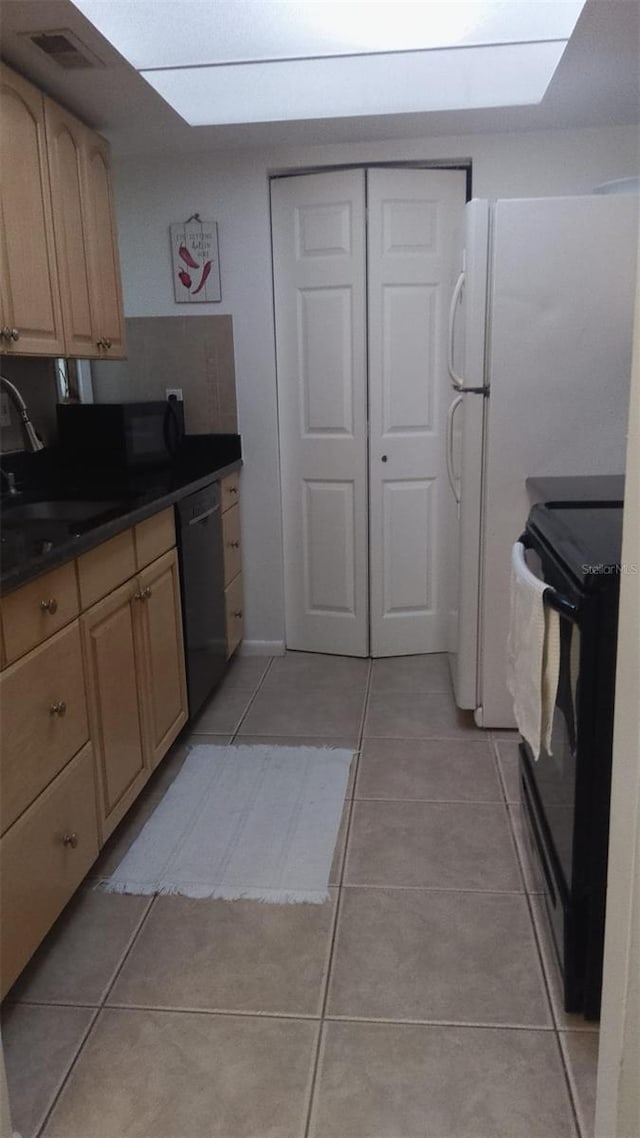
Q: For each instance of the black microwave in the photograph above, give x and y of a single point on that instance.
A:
(129, 435)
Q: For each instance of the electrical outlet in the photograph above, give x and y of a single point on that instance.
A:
(173, 393)
(5, 412)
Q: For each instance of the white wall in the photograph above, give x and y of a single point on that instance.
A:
(232, 189)
(618, 1097)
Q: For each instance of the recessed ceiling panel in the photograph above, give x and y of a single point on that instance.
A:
(162, 33)
(509, 75)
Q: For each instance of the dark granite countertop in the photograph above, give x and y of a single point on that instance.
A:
(120, 500)
(559, 491)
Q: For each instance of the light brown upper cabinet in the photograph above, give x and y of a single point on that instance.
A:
(30, 311)
(104, 266)
(56, 199)
(66, 146)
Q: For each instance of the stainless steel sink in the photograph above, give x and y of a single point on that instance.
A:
(55, 511)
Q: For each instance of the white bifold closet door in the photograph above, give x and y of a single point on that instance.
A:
(414, 238)
(320, 299)
(361, 309)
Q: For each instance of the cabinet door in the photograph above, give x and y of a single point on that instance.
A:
(164, 697)
(43, 859)
(66, 141)
(104, 266)
(235, 618)
(112, 673)
(44, 719)
(29, 294)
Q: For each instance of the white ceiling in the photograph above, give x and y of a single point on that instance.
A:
(597, 83)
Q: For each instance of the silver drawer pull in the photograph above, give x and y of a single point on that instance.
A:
(49, 606)
(233, 489)
(233, 544)
(237, 613)
(70, 840)
(58, 708)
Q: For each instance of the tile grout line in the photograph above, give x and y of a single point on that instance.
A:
(100, 1008)
(315, 1070)
(546, 980)
(573, 1099)
(234, 734)
(65, 1078)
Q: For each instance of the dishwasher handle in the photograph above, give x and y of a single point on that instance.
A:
(205, 514)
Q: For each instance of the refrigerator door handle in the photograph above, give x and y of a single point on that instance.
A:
(451, 474)
(456, 379)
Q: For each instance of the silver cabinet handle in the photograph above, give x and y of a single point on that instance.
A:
(58, 708)
(70, 840)
(50, 606)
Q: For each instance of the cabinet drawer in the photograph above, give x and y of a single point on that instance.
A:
(44, 857)
(233, 601)
(102, 569)
(229, 490)
(231, 541)
(37, 610)
(44, 719)
(154, 536)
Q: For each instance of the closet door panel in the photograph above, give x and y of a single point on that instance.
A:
(414, 218)
(319, 275)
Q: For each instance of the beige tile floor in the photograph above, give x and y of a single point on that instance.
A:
(421, 1001)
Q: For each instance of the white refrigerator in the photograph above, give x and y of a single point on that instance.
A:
(540, 359)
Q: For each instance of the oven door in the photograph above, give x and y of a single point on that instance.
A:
(549, 789)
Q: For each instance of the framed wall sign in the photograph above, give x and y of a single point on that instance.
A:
(195, 261)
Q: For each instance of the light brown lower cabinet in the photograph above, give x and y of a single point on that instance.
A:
(113, 695)
(164, 689)
(136, 687)
(232, 544)
(43, 859)
(44, 719)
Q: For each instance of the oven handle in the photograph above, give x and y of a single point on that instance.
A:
(550, 597)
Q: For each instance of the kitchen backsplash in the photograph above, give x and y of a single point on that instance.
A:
(191, 352)
(36, 381)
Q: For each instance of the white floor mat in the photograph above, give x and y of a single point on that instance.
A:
(251, 822)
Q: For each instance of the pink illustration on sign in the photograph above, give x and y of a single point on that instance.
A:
(203, 278)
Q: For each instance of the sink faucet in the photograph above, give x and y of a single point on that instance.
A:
(32, 440)
(13, 491)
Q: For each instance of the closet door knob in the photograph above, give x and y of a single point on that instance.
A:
(384, 458)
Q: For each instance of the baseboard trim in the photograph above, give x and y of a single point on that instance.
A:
(262, 648)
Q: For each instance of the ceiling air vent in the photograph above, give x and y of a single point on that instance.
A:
(65, 49)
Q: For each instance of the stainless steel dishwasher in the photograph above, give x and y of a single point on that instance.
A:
(201, 556)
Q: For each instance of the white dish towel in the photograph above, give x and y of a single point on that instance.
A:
(533, 654)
